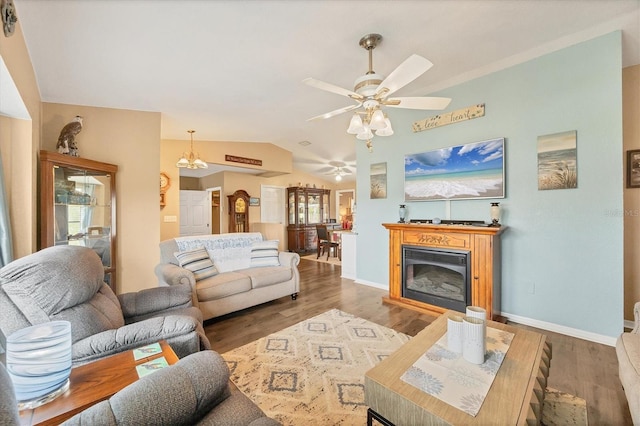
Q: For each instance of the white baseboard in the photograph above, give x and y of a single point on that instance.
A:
(573, 332)
(372, 284)
(629, 324)
(568, 331)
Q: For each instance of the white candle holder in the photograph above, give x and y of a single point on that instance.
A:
(454, 334)
(474, 344)
(476, 312)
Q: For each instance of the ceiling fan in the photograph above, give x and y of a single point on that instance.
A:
(340, 169)
(372, 91)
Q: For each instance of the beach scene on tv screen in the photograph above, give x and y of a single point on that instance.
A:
(473, 170)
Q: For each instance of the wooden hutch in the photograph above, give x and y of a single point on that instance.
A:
(306, 207)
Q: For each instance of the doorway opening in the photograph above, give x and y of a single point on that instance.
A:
(345, 200)
(216, 209)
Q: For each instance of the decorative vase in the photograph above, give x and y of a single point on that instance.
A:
(39, 362)
(476, 312)
(454, 334)
(474, 344)
(403, 213)
(495, 214)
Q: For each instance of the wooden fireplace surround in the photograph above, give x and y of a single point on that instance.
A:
(482, 242)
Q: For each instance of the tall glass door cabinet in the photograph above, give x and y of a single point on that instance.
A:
(306, 207)
(78, 206)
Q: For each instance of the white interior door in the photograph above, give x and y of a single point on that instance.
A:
(195, 212)
(272, 205)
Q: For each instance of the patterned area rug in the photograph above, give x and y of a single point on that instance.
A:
(312, 373)
(563, 409)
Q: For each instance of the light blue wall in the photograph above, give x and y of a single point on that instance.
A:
(568, 244)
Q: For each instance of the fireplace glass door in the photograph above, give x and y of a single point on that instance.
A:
(437, 277)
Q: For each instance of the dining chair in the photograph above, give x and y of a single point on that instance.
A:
(324, 242)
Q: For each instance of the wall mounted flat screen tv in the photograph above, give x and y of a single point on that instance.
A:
(473, 170)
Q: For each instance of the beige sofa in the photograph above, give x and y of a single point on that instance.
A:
(628, 351)
(229, 272)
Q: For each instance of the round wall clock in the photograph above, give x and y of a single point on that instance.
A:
(165, 181)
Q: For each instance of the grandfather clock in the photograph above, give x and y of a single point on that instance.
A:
(239, 211)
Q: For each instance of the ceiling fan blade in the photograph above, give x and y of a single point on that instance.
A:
(332, 88)
(335, 112)
(418, 103)
(413, 67)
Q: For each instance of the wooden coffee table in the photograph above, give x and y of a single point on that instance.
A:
(515, 397)
(91, 383)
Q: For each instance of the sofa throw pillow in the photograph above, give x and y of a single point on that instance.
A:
(264, 253)
(198, 262)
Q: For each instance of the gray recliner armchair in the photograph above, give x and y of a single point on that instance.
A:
(67, 283)
(194, 391)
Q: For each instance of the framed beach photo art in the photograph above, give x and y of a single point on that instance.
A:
(378, 180)
(473, 170)
(557, 161)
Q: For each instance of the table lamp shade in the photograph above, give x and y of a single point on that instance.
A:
(39, 362)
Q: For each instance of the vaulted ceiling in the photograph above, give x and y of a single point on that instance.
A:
(233, 70)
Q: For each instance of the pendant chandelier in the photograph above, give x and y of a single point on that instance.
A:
(191, 161)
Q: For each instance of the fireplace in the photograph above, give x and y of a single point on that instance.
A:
(439, 277)
(481, 245)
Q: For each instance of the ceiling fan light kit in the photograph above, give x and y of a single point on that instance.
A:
(371, 92)
(191, 160)
(340, 169)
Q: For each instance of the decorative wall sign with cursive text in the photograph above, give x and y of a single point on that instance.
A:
(463, 114)
(244, 160)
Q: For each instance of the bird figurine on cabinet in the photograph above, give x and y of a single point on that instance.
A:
(67, 139)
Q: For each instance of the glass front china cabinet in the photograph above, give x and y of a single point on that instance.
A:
(78, 206)
(306, 208)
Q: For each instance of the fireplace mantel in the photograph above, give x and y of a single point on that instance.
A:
(483, 243)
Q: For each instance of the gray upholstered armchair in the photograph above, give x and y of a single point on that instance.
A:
(66, 283)
(194, 391)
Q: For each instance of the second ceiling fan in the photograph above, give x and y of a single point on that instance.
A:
(371, 92)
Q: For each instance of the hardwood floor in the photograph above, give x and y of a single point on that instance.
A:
(585, 369)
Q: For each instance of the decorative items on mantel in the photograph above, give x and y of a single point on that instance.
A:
(495, 214)
(402, 212)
